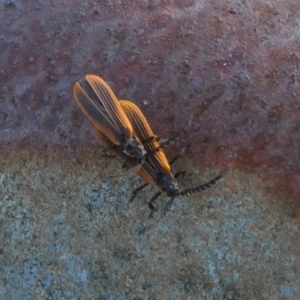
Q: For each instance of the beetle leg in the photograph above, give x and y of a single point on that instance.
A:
(105, 151)
(135, 192)
(151, 206)
(106, 154)
(124, 164)
(167, 207)
(180, 173)
(175, 158)
(151, 138)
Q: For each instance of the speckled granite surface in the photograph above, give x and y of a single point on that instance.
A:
(67, 230)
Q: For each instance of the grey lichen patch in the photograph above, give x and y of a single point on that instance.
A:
(71, 232)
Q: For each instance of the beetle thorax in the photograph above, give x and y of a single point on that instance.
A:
(168, 185)
(134, 148)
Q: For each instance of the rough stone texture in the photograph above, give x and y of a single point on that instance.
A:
(67, 230)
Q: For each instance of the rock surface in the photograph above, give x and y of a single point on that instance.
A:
(67, 230)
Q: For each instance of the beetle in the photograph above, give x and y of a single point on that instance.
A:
(99, 103)
(156, 169)
(121, 126)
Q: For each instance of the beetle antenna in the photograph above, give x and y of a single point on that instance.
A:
(188, 192)
(167, 142)
(199, 188)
